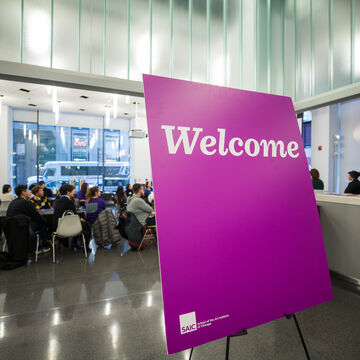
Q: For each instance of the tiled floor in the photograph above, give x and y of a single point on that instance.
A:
(112, 309)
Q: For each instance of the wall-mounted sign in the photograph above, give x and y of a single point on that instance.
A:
(240, 245)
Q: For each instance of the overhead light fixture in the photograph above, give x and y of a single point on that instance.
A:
(82, 109)
(84, 97)
(115, 106)
(33, 105)
(127, 99)
(25, 90)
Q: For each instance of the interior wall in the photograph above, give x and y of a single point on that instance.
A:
(350, 140)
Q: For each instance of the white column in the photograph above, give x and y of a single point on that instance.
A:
(323, 128)
(139, 153)
(5, 146)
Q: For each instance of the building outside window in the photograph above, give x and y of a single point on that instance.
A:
(57, 154)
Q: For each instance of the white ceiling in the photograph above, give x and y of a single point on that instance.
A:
(71, 101)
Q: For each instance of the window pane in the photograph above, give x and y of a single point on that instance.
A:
(24, 145)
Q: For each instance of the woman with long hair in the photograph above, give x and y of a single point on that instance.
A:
(354, 184)
(81, 195)
(120, 197)
(95, 205)
(316, 181)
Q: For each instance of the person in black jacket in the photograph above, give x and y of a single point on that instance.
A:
(354, 184)
(66, 203)
(47, 192)
(22, 206)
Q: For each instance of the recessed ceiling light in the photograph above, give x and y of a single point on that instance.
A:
(82, 109)
(84, 97)
(25, 90)
(32, 105)
(126, 114)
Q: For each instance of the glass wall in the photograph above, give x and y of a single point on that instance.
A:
(57, 154)
(293, 47)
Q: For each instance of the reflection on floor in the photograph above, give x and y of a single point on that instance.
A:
(112, 309)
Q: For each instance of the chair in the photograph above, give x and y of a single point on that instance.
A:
(148, 235)
(69, 225)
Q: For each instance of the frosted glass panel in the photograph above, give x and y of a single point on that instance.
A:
(10, 18)
(234, 43)
(249, 60)
(356, 57)
(341, 43)
(37, 32)
(199, 41)
(277, 49)
(304, 49)
(289, 49)
(66, 31)
(161, 38)
(181, 40)
(217, 55)
(139, 39)
(92, 37)
(116, 38)
(321, 45)
(263, 49)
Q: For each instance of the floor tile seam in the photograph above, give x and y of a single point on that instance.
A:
(3, 317)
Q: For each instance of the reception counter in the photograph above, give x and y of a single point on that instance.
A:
(340, 223)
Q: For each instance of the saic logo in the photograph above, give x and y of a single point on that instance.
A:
(187, 323)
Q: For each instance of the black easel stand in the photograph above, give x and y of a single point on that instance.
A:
(289, 316)
(244, 332)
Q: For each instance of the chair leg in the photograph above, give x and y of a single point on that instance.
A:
(53, 247)
(4, 245)
(37, 248)
(139, 248)
(84, 244)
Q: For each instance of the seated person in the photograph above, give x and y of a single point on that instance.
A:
(120, 198)
(66, 203)
(143, 211)
(47, 192)
(354, 184)
(6, 193)
(81, 195)
(21, 206)
(39, 200)
(95, 205)
(148, 188)
(129, 190)
(316, 181)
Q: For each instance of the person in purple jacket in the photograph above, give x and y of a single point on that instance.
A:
(95, 205)
(81, 195)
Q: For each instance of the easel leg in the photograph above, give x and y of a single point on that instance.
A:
(227, 348)
(300, 334)
(191, 353)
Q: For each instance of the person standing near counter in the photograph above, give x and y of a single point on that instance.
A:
(316, 181)
(354, 184)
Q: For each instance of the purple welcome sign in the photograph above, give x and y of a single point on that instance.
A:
(240, 241)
